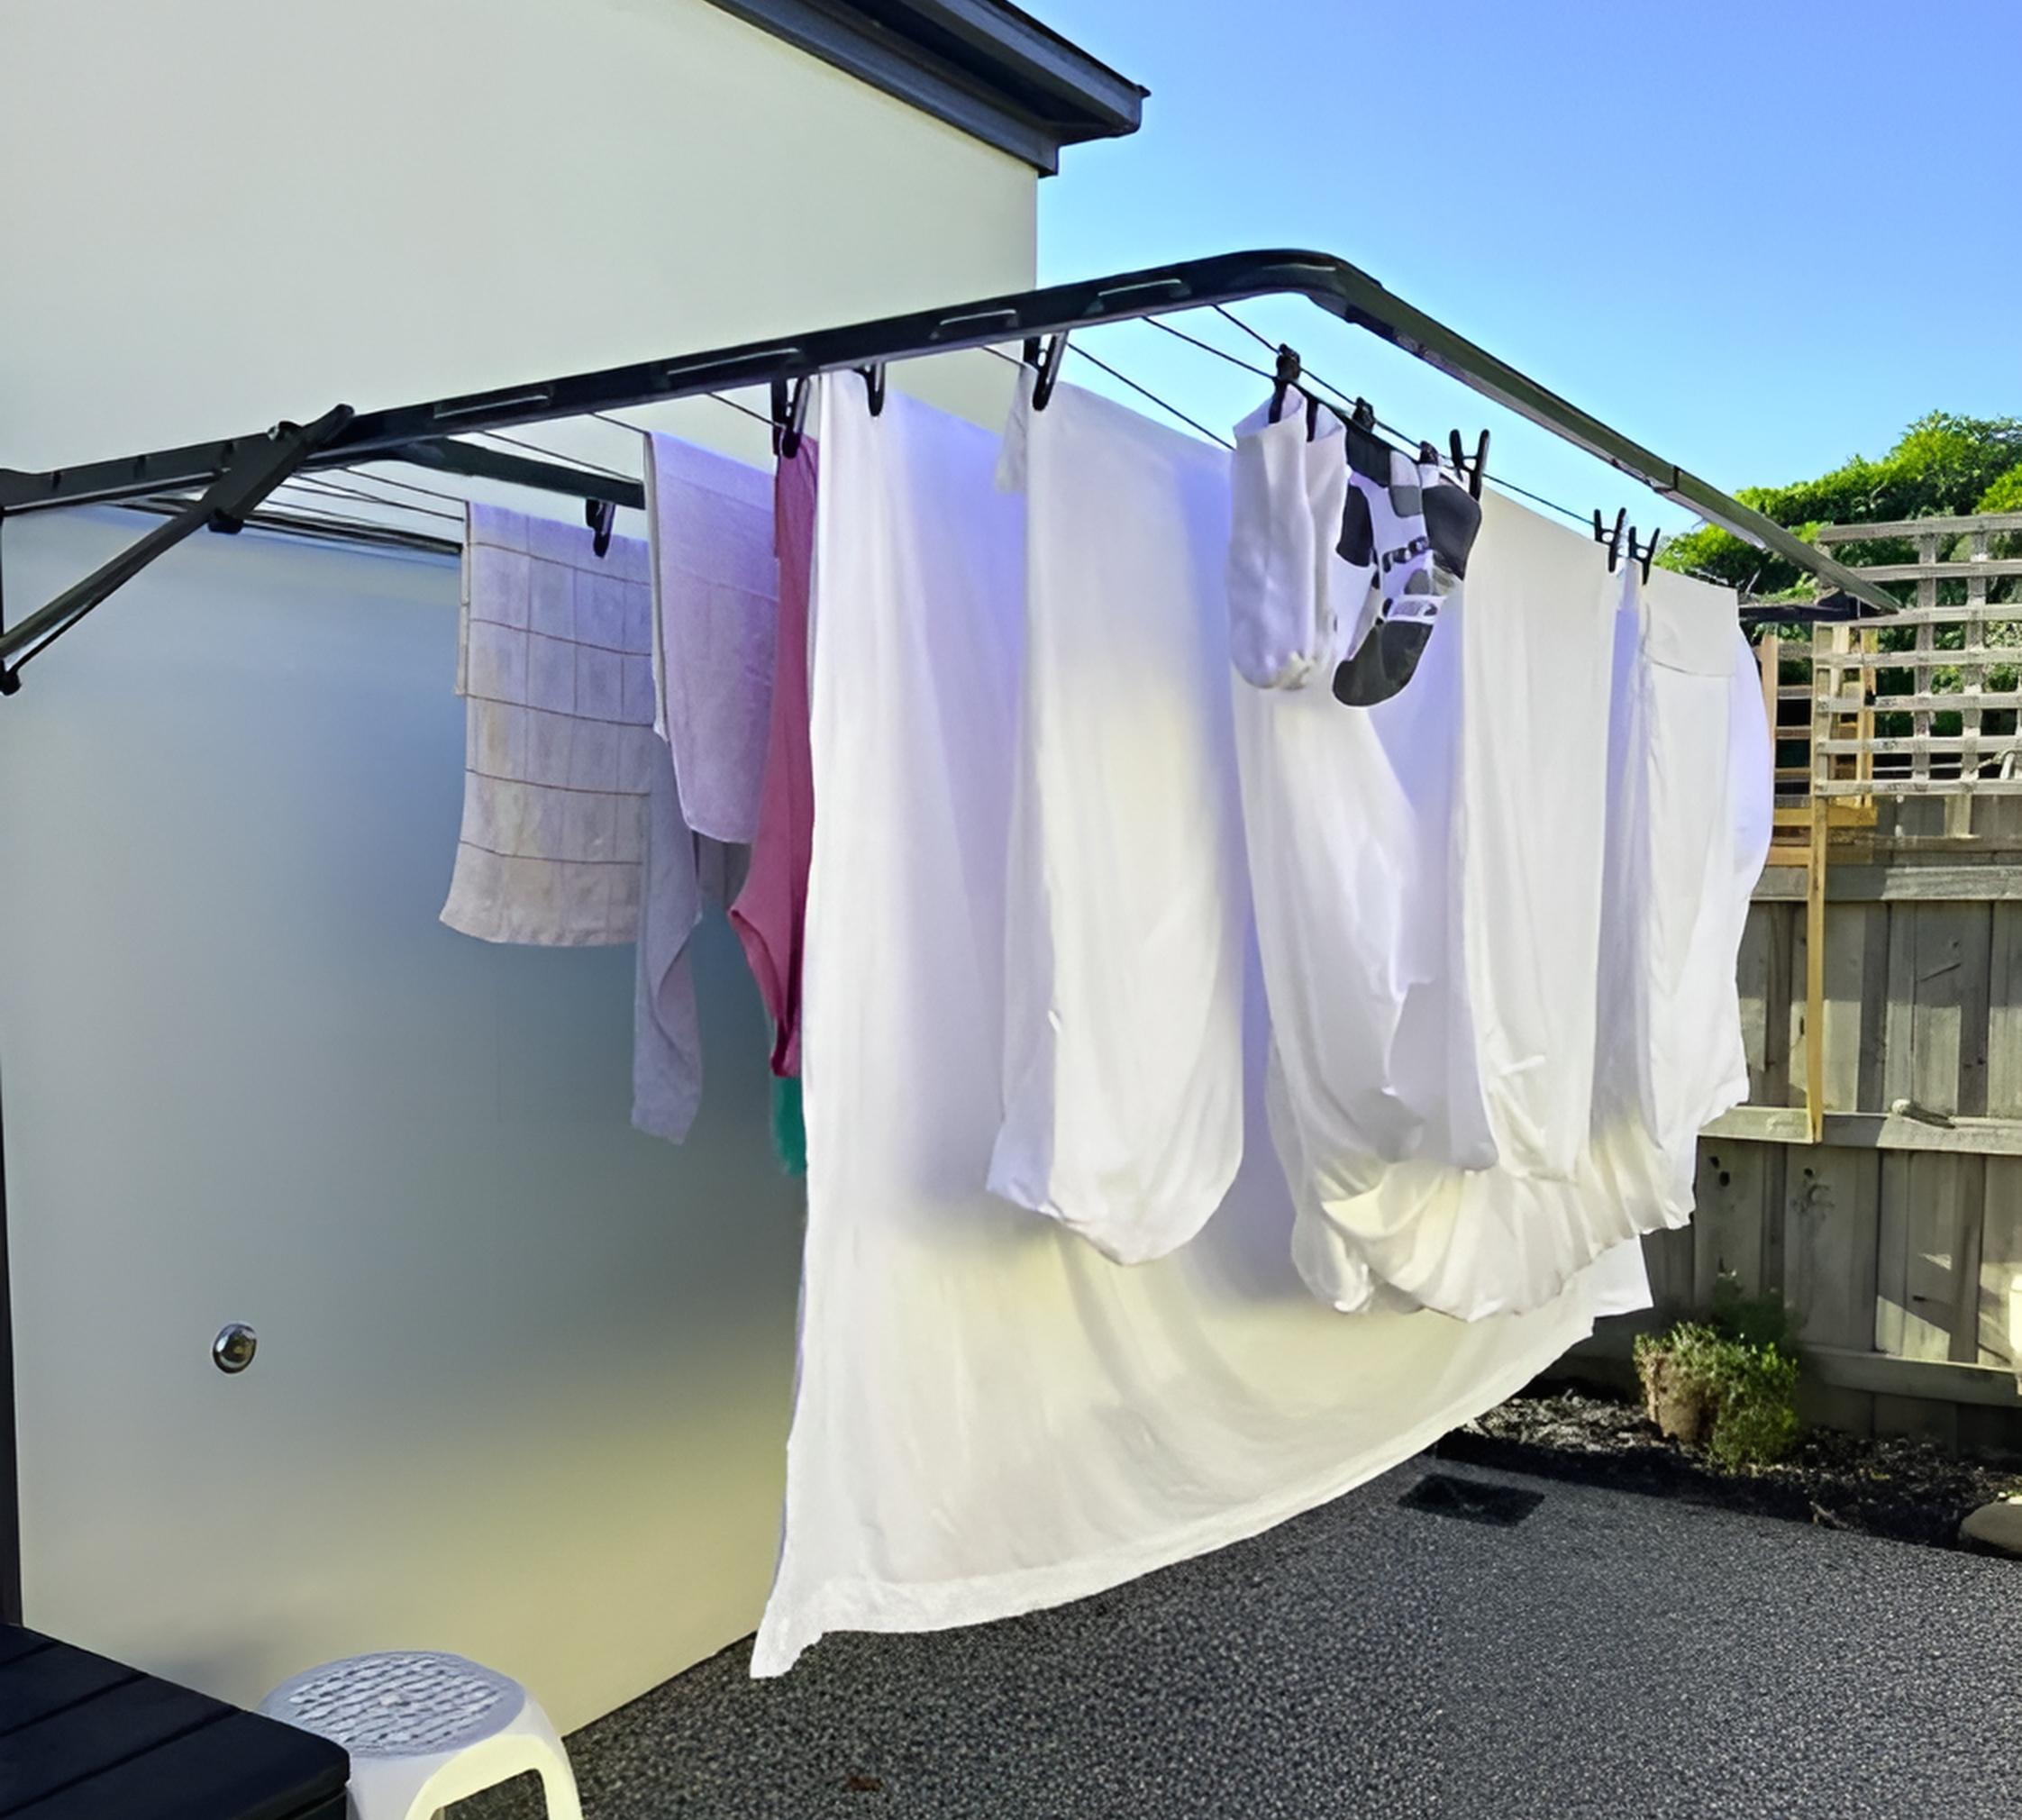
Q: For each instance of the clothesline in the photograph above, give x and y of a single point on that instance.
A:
(232, 480)
(1399, 438)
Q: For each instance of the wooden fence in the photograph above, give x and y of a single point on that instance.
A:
(1874, 1176)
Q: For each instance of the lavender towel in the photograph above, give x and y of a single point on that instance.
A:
(716, 586)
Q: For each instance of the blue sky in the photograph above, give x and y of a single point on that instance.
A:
(1759, 238)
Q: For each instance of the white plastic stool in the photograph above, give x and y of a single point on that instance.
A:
(424, 1729)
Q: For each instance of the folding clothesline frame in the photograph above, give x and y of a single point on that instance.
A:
(239, 472)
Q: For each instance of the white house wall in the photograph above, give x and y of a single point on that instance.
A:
(522, 1375)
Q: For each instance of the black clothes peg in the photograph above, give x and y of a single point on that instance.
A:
(1287, 379)
(789, 417)
(874, 386)
(1049, 364)
(1472, 474)
(600, 516)
(1363, 416)
(1611, 540)
(1647, 552)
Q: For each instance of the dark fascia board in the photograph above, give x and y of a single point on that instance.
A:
(980, 66)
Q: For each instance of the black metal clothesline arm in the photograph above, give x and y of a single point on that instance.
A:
(420, 433)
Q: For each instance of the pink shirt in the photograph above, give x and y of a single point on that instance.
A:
(770, 913)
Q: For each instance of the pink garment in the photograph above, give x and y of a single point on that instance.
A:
(770, 913)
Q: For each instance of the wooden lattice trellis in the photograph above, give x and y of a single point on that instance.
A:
(1877, 690)
(1924, 702)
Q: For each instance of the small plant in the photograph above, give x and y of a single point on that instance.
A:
(1735, 1397)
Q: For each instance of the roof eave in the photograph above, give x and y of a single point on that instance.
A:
(1020, 87)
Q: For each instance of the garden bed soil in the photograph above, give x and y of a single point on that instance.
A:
(1904, 1489)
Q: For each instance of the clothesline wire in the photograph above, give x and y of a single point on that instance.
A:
(1405, 441)
(406, 486)
(1397, 438)
(721, 398)
(344, 519)
(1125, 379)
(284, 508)
(558, 455)
(1258, 335)
(1146, 392)
(332, 488)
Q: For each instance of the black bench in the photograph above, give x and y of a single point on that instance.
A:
(83, 1738)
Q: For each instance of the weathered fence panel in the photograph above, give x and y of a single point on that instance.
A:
(1889, 1213)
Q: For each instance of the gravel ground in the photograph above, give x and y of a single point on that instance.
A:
(1905, 1489)
(1610, 1654)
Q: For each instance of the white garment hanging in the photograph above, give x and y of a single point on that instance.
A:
(1129, 911)
(553, 659)
(1693, 831)
(715, 617)
(990, 1416)
(1532, 823)
(1686, 831)
(1348, 815)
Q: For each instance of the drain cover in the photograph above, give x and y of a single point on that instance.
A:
(1503, 1505)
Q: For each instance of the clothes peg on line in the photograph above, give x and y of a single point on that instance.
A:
(1048, 365)
(1608, 540)
(600, 516)
(1473, 473)
(874, 386)
(1645, 553)
(789, 417)
(1287, 378)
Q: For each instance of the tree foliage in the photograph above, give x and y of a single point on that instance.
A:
(1941, 466)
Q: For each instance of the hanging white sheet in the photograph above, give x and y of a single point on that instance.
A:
(990, 1416)
(1349, 814)
(1691, 822)
(1684, 831)
(1129, 909)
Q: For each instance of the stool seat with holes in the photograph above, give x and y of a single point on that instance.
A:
(423, 1729)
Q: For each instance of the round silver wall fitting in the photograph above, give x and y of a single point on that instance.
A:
(233, 1350)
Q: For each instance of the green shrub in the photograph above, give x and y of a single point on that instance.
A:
(1735, 1396)
(1757, 1423)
